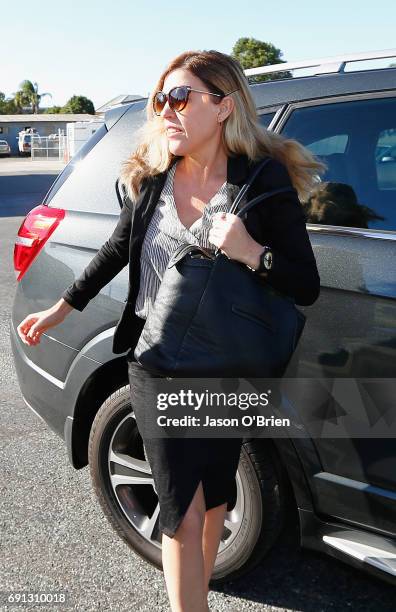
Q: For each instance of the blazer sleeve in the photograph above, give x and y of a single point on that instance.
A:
(294, 269)
(111, 258)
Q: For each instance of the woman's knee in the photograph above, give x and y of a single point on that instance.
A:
(192, 523)
(194, 518)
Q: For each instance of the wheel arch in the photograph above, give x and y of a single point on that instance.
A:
(104, 381)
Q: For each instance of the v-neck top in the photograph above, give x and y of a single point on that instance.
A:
(165, 233)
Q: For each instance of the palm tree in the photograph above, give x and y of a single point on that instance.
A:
(28, 94)
(19, 100)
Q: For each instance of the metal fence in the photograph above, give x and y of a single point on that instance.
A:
(53, 147)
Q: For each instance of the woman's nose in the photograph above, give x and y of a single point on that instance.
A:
(167, 111)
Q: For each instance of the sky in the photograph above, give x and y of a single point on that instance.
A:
(101, 49)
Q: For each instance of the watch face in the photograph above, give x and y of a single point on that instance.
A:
(268, 260)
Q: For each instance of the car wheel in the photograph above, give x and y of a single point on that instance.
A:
(124, 486)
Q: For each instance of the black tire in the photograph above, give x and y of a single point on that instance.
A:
(273, 515)
(113, 411)
(263, 499)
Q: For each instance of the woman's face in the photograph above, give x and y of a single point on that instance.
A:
(198, 122)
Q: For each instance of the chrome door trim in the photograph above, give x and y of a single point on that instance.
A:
(358, 232)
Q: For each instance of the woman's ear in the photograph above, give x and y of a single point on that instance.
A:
(225, 109)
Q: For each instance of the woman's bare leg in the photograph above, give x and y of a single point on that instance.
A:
(183, 562)
(212, 532)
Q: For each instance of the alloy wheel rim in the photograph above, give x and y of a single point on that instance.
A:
(133, 485)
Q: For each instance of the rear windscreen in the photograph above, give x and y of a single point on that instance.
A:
(81, 153)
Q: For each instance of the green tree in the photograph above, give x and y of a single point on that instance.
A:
(20, 101)
(252, 53)
(79, 104)
(53, 110)
(28, 95)
(7, 106)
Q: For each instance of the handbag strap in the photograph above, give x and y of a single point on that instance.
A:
(247, 185)
(263, 196)
(185, 248)
(257, 199)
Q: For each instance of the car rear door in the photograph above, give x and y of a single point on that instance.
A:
(350, 336)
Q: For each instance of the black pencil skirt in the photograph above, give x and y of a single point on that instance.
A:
(178, 465)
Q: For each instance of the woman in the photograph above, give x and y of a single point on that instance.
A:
(196, 148)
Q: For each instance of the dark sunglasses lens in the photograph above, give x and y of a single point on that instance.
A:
(178, 98)
(159, 102)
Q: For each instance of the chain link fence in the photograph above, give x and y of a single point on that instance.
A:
(52, 147)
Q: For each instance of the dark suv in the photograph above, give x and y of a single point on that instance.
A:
(340, 490)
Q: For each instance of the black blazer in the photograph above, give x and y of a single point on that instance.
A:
(278, 221)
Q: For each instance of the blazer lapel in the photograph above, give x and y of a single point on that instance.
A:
(237, 173)
(144, 207)
(149, 196)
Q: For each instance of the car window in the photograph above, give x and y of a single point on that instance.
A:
(385, 157)
(357, 141)
(332, 144)
(79, 156)
(266, 118)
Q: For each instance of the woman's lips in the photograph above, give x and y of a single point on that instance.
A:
(173, 132)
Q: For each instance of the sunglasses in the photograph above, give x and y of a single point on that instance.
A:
(178, 97)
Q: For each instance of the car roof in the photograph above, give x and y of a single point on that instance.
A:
(283, 91)
(278, 92)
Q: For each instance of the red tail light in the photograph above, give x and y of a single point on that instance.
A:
(34, 232)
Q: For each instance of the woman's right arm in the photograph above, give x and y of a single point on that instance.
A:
(36, 323)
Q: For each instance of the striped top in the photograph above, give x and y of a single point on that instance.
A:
(165, 233)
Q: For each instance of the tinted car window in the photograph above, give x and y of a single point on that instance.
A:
(385, 157)
(266, 118)
(357, 141)
(331, 144)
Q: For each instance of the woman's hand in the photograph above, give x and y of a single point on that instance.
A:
(229, 233)
(36, 323)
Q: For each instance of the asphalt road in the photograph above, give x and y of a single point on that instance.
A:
(23, 183)
(54, 537)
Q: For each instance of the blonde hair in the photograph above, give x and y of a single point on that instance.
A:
(242, 132)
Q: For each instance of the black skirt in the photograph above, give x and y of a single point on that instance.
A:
(179, 464)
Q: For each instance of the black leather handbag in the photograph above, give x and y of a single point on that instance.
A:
(212, 316)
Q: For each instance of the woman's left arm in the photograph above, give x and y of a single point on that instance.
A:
(294, 270)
